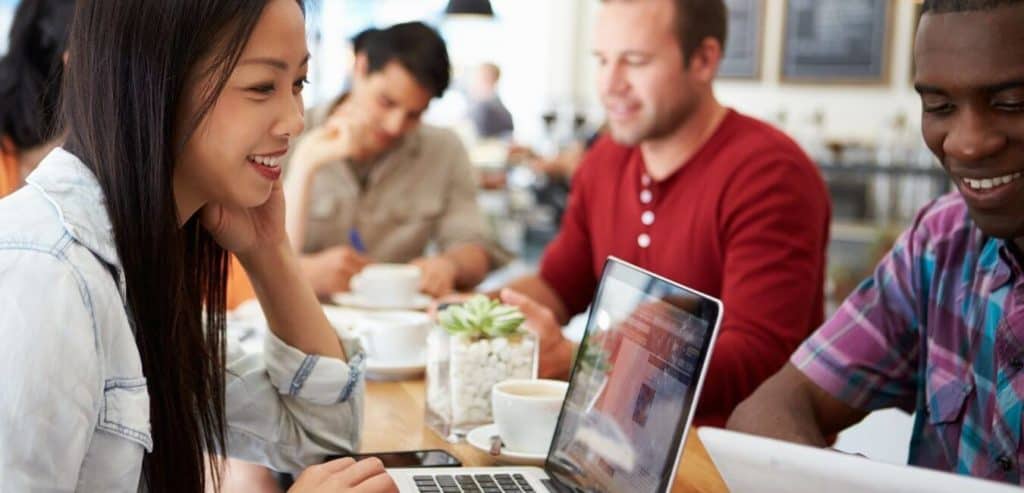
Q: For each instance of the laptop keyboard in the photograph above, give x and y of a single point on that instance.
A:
(473, 483)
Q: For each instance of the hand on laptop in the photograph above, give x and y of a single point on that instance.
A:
(556, 351)
(345, 475)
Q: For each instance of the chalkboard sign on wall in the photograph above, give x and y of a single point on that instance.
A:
(836, 41)
(742, 58)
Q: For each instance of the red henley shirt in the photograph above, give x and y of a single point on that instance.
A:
(746, 219)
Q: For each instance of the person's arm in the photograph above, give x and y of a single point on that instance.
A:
(462, 266)
(567, 280)
(330, 270)
(790, 407)
(774, 232)
(257, 237)
(472, 264)
(864, 358)
(288, 409)
(302, 398)
(292, 309)
(534, 287)
(556, 352)
(462, 231)
(298, 186)
(346, 475)
(323, 145)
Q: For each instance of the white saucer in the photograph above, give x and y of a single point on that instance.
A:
(354, 300)
(480, 438)
(395, 370)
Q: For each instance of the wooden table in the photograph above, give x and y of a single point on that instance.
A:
(395, 421)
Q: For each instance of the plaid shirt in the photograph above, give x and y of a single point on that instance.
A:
(938, 329)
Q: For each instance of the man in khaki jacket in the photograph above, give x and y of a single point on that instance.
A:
(370, 183)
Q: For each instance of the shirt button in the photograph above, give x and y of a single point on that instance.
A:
(647, 218)
(643, 240)
(646, 196)
(646, 180)
(1016, 364)
(1005, 463)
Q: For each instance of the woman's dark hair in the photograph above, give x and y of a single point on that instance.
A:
(31, 70)
(415, 46)
(128, 73)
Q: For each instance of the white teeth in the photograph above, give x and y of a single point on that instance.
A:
(989, 183)
(270, 162)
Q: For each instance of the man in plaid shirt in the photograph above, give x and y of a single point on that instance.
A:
(939, 328)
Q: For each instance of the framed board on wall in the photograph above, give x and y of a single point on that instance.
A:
(836, 41)
(742, 58)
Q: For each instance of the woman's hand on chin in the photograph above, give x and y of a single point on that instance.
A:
(245, 231)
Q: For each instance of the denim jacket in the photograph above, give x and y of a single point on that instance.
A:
(74, 406)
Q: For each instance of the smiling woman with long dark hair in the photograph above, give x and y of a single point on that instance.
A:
(113, 263)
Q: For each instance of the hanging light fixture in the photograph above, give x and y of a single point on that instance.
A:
(469, 7)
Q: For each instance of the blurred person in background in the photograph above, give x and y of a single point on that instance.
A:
(368, 169)
(489, 115)
(30, 76)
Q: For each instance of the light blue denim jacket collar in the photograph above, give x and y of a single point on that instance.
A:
(75, 192)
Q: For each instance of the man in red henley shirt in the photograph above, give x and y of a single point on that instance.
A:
(690, 190)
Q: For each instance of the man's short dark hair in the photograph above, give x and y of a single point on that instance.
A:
(944, 6)
(697, 20)
(414, 45)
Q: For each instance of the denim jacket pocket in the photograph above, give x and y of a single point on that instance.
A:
(125, 411)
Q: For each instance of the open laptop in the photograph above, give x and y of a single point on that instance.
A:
(752, 464)
(630, 401)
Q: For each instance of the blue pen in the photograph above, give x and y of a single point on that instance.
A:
(356, 241)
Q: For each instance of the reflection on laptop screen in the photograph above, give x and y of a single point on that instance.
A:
(633, 386)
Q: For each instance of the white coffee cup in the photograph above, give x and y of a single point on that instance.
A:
(393, 336)
(393, 285)
(526, 413)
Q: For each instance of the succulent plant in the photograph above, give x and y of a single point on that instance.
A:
(481, 318)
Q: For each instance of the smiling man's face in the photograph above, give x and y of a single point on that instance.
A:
(970, 75)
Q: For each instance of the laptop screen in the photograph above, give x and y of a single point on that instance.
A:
(633, 385)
